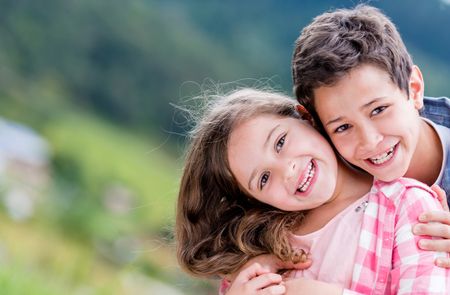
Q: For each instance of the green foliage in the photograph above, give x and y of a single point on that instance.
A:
(18, 281)
(128, 59)
(91, 157)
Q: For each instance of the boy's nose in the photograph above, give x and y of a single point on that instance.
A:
(369, 138)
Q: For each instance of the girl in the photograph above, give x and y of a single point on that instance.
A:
(252, 170)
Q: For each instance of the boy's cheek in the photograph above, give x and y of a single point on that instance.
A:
(345, 147)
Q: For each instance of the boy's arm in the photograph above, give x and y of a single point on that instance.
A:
(437, 109)
(408, 260)
(436, 224)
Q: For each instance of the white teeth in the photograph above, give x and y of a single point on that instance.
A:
(307, 179)
(380, 159)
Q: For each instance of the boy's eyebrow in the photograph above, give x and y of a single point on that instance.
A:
(333, 121)
(376, 99)
(252, 175)
(362, 107)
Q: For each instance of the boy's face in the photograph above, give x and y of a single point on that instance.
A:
(371, 121)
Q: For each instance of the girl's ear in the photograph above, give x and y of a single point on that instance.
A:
(305, 115)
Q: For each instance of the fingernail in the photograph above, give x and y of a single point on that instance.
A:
(442, 262)
(423, 244)
(416, 229)
(422, 217)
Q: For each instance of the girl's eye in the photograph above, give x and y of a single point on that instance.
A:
(342, 128)
(264, 179)
(378, 110)
(280, 143)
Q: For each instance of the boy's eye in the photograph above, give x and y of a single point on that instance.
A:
(378, 110)
(280, 143)
(264, 179)
(342, 128)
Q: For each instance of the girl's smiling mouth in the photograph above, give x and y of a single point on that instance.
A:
(307, 179)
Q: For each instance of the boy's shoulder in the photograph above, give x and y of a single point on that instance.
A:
(400, 186)
(437, 109)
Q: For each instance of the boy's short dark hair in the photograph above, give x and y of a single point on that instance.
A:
(339, 41)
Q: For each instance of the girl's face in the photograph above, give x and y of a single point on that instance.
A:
(283, 162)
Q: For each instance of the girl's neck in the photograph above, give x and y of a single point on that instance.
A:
(351, 185)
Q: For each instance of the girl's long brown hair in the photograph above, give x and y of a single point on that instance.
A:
(219, 226)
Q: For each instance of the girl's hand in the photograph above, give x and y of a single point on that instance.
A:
(299, 286)
(256, 279)
(436, 224)
(272, 264)
(268, 264)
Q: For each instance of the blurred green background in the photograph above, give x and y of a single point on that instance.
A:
(91, 144)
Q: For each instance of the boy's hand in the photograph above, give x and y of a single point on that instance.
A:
(441, 196)
(436, 224)
(256, 279)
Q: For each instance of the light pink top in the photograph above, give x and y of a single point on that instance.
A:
(333, 247)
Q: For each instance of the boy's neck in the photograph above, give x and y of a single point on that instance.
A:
(427, 160)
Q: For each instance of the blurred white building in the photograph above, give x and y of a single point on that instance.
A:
(24, 169)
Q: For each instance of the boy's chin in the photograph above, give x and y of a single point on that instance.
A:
(387, 177)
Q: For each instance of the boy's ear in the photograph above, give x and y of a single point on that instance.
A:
(416, 87)
(305, 115)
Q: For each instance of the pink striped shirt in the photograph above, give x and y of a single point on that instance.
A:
(388, 260)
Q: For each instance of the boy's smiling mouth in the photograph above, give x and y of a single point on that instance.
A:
(308, 176)
(383, 157)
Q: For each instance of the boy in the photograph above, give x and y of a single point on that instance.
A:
(353, 73)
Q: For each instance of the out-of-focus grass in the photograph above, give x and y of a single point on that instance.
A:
(36, 260)
(15, 281)
(88, 156)
(96, 155)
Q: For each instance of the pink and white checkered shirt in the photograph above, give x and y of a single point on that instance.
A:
(388, 260)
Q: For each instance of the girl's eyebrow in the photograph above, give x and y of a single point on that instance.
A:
(252, 175)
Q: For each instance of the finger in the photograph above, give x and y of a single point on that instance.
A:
(268, 261)
(264, 281)
(443, 262)
(288, 274)
(441, 196)
(291, 265)
(434, 245)
(432, 229)
(250, 272)
(435, 216)
(273, 290)
(303, 265)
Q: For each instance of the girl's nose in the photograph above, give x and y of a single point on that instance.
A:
(290, 171)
